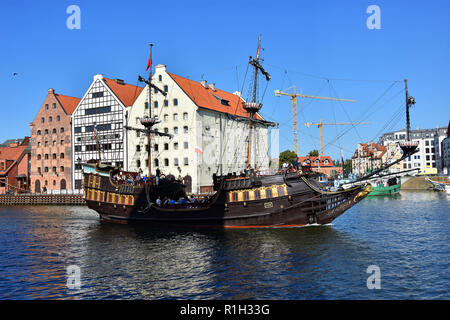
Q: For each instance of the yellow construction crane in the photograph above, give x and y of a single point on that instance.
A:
(321, 124)
(294, 97)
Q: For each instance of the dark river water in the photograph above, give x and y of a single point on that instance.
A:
(406, 238)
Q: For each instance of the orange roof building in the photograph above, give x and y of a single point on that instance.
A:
(51, 140)
(368, 156)
(104, 109)
(323, 165)
(14, 165)
(210, 129)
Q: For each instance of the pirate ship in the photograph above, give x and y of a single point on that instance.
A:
(285, 199)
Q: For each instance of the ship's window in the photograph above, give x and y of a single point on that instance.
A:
(257, 194)
(246, 196)
(280, 191)
(234, 196)
(269, 193)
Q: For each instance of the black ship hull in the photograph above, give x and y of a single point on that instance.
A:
(280, 200)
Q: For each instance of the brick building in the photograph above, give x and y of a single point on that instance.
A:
(51, 143)
(14, 165)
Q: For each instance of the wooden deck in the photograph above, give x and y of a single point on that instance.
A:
(42, 199)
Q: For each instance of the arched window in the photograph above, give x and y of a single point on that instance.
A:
(37, 186)
(63, 184)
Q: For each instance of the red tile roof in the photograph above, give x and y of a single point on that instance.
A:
(209, 99)
(13, 153)
(68, 103)
(127, 93)
(369, 150)
(330, 163)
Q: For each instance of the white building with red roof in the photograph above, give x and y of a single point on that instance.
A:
(210, 129)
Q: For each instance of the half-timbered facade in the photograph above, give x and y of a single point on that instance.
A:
(98, 122)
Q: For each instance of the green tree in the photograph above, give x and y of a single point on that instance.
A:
(287, 156)
(348, 165)
(313, 153)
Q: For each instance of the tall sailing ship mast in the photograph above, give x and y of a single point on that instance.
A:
(254, 105)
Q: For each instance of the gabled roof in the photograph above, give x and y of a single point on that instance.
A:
(217, 100)
(13, 153)
(127, 93)
(321, 161)
(369, 149)
(68, 103)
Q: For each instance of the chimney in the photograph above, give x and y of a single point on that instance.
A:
(212, 86)
(98, 77)
(203, 83)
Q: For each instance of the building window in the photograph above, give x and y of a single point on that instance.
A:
(186, 161)
(175, 130)
(62, 130)
(97, 94)
(166, 162)
(156, 147)
(166, 88)
(175, 162)
(175, 102)
(77, 129)
(138, 163)
(156, 162)
(175, 146)
(166, 130)
(146, 105)
(61, 169)
(42, 120)
(138, 148)
(166, 117)
(166, 103)
(54, 130)
(175, 117)
(39, 132)
(50, 119)
(185, 129)
(46, 106)
(185, 145)
(166, 146)
(61, 155)
(38, 157)
(427, 142)
(98, 110)
(54, 156)
(185, 116)
(155, 104)
(58, 118)
(46, 131)
(46, 169)
(160, 77)
(46, 156)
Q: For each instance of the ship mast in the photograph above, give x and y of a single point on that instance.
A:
(148, 121)
(254, 106)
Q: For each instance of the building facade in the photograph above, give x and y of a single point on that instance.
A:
(15, 165)
(51, 152)
(210, 129)
(429, 155)
(324, 165)
(367, 157)
(445, 152)
(99, 120)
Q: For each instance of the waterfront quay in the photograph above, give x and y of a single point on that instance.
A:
(42, 199)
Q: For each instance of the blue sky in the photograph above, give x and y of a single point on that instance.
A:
(321, 47)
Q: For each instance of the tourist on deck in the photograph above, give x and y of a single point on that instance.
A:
(158, 201)
(158, 174)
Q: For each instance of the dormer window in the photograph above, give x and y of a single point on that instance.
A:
(221, 100)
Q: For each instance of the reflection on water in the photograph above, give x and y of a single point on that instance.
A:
(406, 236)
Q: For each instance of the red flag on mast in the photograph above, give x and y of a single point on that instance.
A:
(149, 63)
